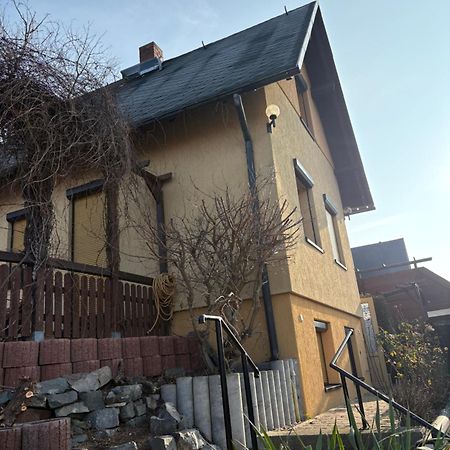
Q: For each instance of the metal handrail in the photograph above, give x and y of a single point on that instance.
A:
(361, 384)
(246, 360)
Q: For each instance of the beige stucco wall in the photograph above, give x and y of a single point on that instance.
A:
(312, 274)
(204, 150)
(294, 320)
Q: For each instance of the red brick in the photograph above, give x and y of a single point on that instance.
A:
(169, 362)
(194, 345)
(85, 366)
(54, 351)
(109, 348)
(47, 435)
(197, 363)
(115, 365)
(11, 438)
(55, 370)
(181, 345)
(149, 345)
(14, 374)
(184, 361)
(132, 367)
(20, 354)
(131, 347)
(152, 366)
(84, 349)
(166, 345)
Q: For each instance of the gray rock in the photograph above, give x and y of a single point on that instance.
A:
(160, 426)
(174, 372)
(103, 418)
(93, 400)
(79, 423)
(148, 387)
(167, 421)
(83, 382)
(137, 422)
(100, 435)
(104, 375)
(73, 408)
(189, 440)
(116, 405)
(139, 407)
(79, 439)
(152, 401)
(5, 397)
(127, 446)
(127, 412)
(38, 401)
(126, 393)
(162, 443)
(54, 386)
(58, 400)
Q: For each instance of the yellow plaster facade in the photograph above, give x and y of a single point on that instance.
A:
(203, 148)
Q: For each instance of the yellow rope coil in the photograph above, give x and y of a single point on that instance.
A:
(163, 292)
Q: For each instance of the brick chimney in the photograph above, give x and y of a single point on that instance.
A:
(150, 51)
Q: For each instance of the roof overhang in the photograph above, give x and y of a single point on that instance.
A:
(329, 98)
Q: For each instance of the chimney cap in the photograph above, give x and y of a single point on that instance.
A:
(150, 51)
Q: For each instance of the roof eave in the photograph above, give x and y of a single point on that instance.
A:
(327, 92)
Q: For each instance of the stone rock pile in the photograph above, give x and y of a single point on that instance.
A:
(100, 409)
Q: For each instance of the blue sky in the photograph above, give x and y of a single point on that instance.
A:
(393, 59)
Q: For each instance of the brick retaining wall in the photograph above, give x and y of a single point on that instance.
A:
(147, 356)
(42, 435)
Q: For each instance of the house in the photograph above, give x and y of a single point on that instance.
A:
(201, 117)
(401, 291)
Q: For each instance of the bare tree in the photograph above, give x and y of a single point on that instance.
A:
(57, 118)
(219, 252)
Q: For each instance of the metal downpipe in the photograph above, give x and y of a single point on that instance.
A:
(251, 172)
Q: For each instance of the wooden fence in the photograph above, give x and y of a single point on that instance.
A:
(64, 304)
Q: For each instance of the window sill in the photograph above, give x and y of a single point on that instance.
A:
(313, 244)
(332, 387)
(340, 264)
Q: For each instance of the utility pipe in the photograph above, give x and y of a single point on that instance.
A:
(251, 173)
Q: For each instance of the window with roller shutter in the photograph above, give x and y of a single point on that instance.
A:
(88, 231)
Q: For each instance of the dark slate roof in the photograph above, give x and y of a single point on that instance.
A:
(249, 59)
(375, 256)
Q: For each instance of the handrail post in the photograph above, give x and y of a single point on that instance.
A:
(358, 389)
(224, 386)
(344, 375)
(248, 395)
(246, 361)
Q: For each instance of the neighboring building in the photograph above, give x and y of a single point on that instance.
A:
(402, 293)
(190, 127)
(382, 257)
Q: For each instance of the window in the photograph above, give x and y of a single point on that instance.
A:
(307, 211)
(326, 352)
(88, 235)
(17, 223)
(333, 231)
(303, 100)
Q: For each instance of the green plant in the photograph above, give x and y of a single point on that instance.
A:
(418, 367)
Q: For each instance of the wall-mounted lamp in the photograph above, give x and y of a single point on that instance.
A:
(272, 113)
